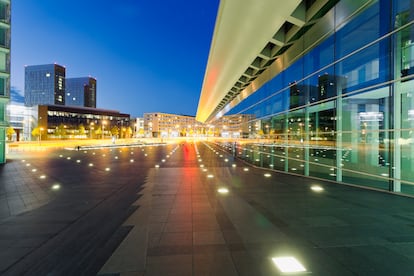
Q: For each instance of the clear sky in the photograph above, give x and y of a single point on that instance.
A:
(147, 55)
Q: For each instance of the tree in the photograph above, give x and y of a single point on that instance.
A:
(114, 130)
(61, 130)
(10, 132)
(36, 132)
(128, 132)
(81, 129)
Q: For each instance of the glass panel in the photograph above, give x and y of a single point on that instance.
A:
(365, 138)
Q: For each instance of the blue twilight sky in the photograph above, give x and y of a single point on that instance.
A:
(147, 56)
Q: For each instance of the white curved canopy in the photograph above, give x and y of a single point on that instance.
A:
(243, 29)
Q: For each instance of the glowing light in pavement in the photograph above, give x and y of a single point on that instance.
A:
(246, 169)
(107, 169)
(157, 166)
(316, 188)
(34, 170)
(68, 158)
(201, 166)
(163, 160)
(23, 160)
(267, 175)
(78, 161)
(90, 165)
(210, 176)
(226, 160)
(42, 176)
(132, 160)
(28, 165)
(56, 187)
(116, 157)
(234, 165)
(204, 170)
(223, 190)
(60, 155)
(288, 264)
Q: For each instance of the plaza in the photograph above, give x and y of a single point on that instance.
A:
(189, 208)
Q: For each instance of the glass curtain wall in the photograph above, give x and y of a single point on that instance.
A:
(345, 110)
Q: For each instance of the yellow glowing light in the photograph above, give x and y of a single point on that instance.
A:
(210, 176)
(107, 169)
(267, 175)
(246, 169)
(132, 160)
(42, 176)
(223, 190)
(201, 166)
(90, 165)
(163, 160)
(157, 166)
(28, 165)
(226, 160)
(68, 158)
(317, 188)
(234, 165)
(78, 161)
(288, 264)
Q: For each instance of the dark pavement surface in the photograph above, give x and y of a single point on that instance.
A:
(156, 210)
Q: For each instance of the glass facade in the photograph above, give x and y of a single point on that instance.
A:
(44, 84)
(4, 73)
(81, 92)
(343, 110)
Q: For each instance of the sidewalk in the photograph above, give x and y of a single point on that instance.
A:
(184, 226)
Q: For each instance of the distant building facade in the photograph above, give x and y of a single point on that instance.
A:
(44, 85)
(81, 92)
(79, 122)
(171, 125)
(4, 73)
(23, 120)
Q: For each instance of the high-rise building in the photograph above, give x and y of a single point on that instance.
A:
(81, 92)
(330, 84)
(4, 72)
(44, 84)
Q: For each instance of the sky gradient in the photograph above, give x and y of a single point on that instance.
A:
(147, 56)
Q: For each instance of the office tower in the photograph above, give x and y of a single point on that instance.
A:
(4, 73)
(44, 84)
(81, 92)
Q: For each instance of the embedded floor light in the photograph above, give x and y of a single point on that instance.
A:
(107, 169)
(157, 166)
(267, 175)
(42, 176)
(246, 169)
(234, 165)
(210, 176)
(56, 187)
(223, 190)
(288, 264)
(317, 188)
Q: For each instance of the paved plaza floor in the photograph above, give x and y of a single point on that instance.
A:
(190, 209)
